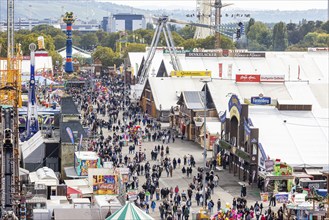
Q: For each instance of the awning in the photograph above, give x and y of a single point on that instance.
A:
(314, 172)
(71, 190)
(302, 175)
(130, 211)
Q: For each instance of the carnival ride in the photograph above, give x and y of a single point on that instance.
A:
(162, 26)
(10, 101)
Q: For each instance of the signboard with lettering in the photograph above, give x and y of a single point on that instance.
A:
(260, 100)
(246, 54)
(191, 73)
(201, 54)
(272, 78)
(247, 78)
(166, 51)
(235, 107)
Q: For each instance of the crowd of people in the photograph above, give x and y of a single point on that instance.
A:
(106, 105)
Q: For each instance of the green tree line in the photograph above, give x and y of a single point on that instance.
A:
(111, 48)
(283, 37)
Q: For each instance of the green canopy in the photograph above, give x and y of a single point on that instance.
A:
(130, 211)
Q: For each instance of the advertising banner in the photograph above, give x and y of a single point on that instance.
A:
(124, 174)
(269, 165)
(191, 73)
(201, 54)
(264, 197)
(105, 184)
(256, 100)
(132, 195)
(220, 70)
(249, 54)
(272, 78)
(282, 198)
(247, 78)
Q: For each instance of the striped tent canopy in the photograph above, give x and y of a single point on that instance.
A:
(130, 211)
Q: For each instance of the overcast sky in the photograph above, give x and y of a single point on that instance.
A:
(241, 4)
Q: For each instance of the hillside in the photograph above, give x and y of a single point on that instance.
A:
(91, 10)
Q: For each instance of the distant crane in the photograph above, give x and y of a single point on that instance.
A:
(10, 98)
(204, 12)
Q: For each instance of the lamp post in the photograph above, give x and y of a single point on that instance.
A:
(205, 81)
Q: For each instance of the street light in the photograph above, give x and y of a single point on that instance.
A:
(205, 81)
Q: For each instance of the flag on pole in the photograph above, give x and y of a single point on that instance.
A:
(70, 133)
(80, 142)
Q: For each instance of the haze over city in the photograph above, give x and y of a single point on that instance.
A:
(238, 4)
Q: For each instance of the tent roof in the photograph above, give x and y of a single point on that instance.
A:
(68, 106)
(193, 99)
(174, 86)
(76, 51)
(302, 139)
(130, 211)
(30, 148)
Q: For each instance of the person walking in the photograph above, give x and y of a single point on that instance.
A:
(243, 191)
(153, 205)
(219, 204)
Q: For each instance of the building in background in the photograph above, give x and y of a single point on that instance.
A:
(123, 22)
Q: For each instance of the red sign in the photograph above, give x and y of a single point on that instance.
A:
(247, 78)
(220, 70)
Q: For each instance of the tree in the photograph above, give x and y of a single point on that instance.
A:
(250, 23)
(149, 26)
(189, 44)
(134, 47)
(259, 36)
(59, 41)
(89, 41)
(105, 55)
(206, 43)
(110, 40)
(226, 43)
(47, 29)
(101, 35)
(280, 37)
(314, 39)
(187, 32)
(325, 27)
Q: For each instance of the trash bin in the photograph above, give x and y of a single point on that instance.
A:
(194, 215)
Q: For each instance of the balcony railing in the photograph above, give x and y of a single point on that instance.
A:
(240, 153)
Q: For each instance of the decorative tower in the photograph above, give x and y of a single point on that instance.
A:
(32, 126)
(69, 20)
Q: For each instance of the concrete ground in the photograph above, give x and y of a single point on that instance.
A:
(229, 185)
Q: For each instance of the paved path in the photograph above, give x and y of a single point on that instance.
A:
(228, 188)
